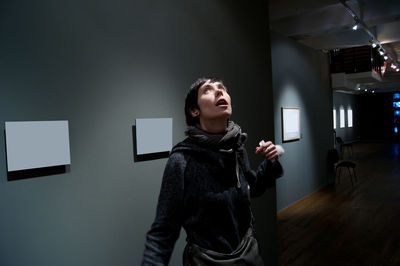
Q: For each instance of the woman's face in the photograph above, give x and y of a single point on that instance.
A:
(214, 102)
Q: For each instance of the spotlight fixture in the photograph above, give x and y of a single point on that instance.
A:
(375, 43)
(373, 91)
(365, 90)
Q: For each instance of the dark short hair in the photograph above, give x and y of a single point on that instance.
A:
(191, 98)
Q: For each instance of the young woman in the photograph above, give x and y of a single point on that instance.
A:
(207, 186)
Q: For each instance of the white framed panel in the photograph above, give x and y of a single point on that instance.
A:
(349, 118)
(36, 144)
(290, 123)
(334, 118)
(153, 135)
(342, 119)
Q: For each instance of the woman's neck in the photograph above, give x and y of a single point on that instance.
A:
(214, 126)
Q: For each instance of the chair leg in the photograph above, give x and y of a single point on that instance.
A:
(355, 176)
(351, 177)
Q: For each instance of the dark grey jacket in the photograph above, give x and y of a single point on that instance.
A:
(200, 192)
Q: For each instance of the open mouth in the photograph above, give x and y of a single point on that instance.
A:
(222, 102)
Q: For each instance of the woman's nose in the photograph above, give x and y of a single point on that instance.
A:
(219, 91)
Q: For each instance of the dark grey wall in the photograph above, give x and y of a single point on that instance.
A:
(345, 101)
(376, 121)
(100, 65)
(301, 79)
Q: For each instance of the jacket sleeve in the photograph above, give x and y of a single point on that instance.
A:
(265, 176)
(164, 232)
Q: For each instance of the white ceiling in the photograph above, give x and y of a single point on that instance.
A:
(327, 24)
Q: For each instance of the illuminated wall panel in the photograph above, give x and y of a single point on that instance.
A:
(36, 144)
(334, 118)
(153, 135)
(350, 118)
(342, 119)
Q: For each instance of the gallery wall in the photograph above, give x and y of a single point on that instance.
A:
(347, 101)
(301, 79)
(100, 65)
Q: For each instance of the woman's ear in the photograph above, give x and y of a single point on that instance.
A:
(194, 112)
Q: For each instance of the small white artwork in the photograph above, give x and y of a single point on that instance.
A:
(290, 123)
(153, 135)
(37, 144)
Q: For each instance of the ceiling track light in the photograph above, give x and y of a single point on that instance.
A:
(360, 23)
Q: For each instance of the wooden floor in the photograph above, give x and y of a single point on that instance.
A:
(345, 225)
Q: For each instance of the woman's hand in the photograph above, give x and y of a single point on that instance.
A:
(267, 150)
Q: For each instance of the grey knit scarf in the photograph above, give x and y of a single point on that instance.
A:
(232, 138)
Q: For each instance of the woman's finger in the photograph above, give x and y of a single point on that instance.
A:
(272, 155)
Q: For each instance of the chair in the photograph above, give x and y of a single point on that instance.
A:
(333, 157)
(344, 147)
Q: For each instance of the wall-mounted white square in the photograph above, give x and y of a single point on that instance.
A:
(36, 144)
(153, 135)
(349, 118)
(342, 122)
